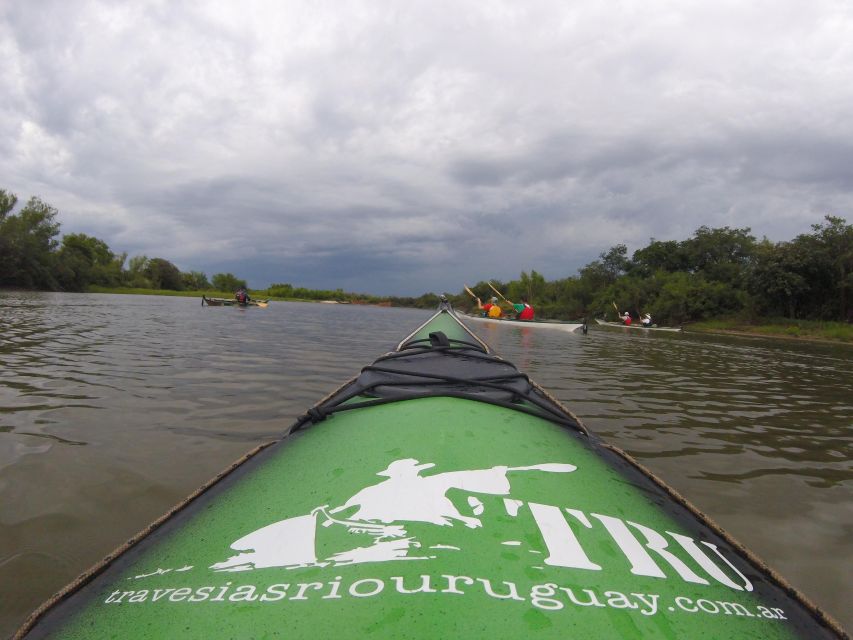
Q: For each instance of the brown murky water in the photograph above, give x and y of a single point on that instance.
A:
(114, 408)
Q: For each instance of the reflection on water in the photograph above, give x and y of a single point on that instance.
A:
(113, 408)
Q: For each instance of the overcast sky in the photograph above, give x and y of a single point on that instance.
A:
(404, 147)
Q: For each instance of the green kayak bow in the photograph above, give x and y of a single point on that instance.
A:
(439, 494)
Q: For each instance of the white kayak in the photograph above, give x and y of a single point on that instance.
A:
(636, 326)
(561, 325)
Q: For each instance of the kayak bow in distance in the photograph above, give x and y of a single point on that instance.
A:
(621, 325)
(439, 494)
(560, 325)
(230, 302)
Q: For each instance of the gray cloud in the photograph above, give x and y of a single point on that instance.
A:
(400, 148)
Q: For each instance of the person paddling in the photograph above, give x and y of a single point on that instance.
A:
(491, 309)
(626, 319)
(242, 296)
(523, 310)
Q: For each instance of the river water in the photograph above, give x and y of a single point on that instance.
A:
(114, 408)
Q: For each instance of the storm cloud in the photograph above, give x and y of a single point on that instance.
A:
(399, 148)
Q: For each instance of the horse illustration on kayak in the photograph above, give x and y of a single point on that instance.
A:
(382, 511)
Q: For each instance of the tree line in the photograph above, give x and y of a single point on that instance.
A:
(31, 257)
(716, 272)
(719, 272)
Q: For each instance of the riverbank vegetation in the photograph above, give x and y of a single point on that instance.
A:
(32, 256)
(279, 292)
(797, 287)
(804, 285)
(779, 328)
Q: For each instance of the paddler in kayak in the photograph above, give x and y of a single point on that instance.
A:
(523, 310)
(626, 319)
(491, 309)
(242, 296)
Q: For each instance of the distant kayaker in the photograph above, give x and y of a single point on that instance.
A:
(647, 320)
(242, 295)
(495, 310)
(523, 310)
(626, 318)
(491, 309)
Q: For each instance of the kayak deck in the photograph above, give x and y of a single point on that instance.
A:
(622, 325)
(440, 493)
(231, 302)
(559, 325)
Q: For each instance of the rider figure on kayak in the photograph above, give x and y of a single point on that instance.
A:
(491, 309)
(242, 295)
(523, 309)
(626, 318)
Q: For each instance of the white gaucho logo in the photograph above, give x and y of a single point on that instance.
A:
(405, 497)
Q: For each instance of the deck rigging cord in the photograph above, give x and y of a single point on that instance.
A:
(418, 370)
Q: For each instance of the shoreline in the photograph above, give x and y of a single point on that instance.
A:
(771, 336)
(775, 332)
(784, 331)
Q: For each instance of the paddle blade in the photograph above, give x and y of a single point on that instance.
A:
(550, 467)
(498, 292)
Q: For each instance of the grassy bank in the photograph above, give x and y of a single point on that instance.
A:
(160, 292)
(779, 328)
(257, 295)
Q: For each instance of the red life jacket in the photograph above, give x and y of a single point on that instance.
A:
(526, 313)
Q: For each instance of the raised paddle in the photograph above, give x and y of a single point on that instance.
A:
(552, 467)
(499, 293)
(471, 293)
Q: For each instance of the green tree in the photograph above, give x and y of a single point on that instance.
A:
(83, 260)
(777, 280)
(673, 303)
(227, 282)
(426, 301)
(164, 275)
(834, 238)
(195, 281)
(7, 203)
(607, 269)
(720, 254)
(27, 243)
(599, 275)
(281, 290)
(668, 256)
(687, 296)
(532, 287)
(134, 275)
(7, 264)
